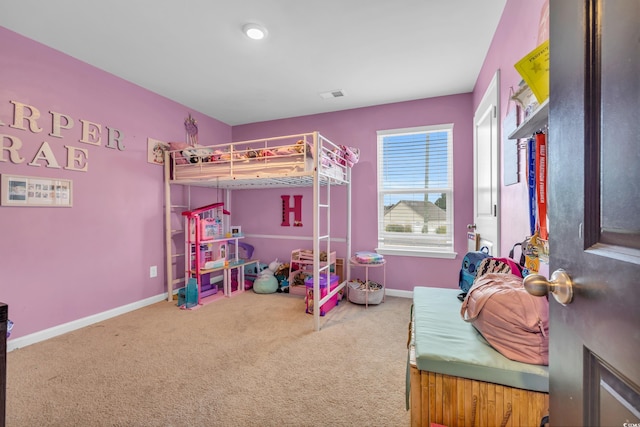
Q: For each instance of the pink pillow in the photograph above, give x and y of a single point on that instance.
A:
(177, 155)
(178, 145)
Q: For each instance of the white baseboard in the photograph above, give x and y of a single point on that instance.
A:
(16, 343)
(13, 344)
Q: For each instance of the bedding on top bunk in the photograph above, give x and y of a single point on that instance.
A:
(264, 158)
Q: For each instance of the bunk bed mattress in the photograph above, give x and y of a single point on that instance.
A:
(254, 168)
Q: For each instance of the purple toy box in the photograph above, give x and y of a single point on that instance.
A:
(333, 301)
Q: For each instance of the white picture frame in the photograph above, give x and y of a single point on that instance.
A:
(155, 151)
(236, 230)
(32, 191)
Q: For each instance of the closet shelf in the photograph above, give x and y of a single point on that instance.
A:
(535, 122)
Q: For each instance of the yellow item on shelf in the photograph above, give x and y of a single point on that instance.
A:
(534, 69)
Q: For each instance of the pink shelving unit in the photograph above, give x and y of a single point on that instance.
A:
(207, 249)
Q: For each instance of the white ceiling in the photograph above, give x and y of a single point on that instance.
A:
(193, 51)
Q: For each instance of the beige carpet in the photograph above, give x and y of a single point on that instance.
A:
(249, 360)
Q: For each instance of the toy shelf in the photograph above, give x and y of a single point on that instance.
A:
(301, 263)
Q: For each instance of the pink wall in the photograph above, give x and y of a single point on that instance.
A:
(58, 265)
(517, 35)
(358, 128)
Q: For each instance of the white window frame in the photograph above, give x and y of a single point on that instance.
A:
(426, 250)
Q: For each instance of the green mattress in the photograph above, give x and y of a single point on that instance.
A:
(446, 344)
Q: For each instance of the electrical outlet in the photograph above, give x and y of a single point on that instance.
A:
(153, 271)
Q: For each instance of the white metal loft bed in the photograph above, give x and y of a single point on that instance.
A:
(300, 160)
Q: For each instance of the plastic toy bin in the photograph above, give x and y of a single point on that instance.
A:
(333, 301)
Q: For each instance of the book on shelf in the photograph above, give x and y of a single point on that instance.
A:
(534, 69)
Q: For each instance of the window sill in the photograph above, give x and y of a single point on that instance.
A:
(417, 253)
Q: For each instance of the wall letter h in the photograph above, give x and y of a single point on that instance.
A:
(296, 209)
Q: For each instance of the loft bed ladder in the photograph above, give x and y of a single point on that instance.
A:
(173, 258)
(322, 216)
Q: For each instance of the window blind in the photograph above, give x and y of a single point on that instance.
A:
(415, 188)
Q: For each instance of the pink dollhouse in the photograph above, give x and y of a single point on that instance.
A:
(208, 245)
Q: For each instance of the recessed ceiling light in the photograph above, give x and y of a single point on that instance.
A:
(254, 31)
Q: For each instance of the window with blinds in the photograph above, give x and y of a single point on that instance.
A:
(415, 191)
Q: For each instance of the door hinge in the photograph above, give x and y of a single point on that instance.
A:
(495, 210)
(495, 111)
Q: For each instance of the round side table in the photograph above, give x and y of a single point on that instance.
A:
(354, 263)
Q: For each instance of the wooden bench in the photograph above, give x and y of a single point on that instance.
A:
(455, 378)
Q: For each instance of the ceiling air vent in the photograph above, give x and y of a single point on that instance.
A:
(333, 94)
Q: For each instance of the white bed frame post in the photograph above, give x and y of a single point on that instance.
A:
(316, 231)
(167, 227)
(348, 236)
(170, 256)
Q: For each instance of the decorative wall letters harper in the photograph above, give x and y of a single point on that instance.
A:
(28, 118)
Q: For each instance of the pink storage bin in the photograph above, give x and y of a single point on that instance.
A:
(327, 306)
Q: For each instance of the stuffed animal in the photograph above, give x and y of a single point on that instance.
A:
(300, 277)
(351, 155)
(348, 156)
(282, 270)
(282, 274)
(266, 153)
(197, 155)
(266, 282)
(217, 155)
(286, 150)
(191, 155)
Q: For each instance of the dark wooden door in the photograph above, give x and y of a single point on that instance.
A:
(594, 211)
